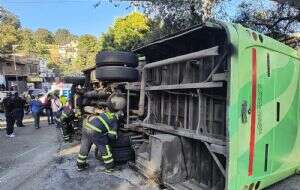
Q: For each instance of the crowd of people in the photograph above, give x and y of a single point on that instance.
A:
(14, 112)
(97, 113)
(14, 108)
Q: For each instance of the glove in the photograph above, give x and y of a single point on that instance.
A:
(112, 135)
(120, 115)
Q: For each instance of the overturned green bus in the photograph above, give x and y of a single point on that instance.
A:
(219, 104)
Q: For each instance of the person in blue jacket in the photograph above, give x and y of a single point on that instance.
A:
(36, 107)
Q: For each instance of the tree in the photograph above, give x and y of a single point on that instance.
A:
(43, 36)
(87, 50)
(174, 15)
(6, 17)
(8, 37)
(274, 20)
(129, 31)
(106, 41)
(126, 33)
(9, 25)
(62, 37)
(27, 43)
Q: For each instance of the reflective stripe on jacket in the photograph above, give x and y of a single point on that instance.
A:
(66, 114)
(104, 123)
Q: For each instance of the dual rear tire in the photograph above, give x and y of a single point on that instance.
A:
(117, 74)
(116, 58)
(116, 66)
(121, 150)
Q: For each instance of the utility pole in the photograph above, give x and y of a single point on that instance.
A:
(15, 65)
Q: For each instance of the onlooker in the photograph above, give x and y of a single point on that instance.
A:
(36, 107)
(49, 109)
(2, 87)
(55, 104)
(8, 104)
(26, 97)
(19, 110)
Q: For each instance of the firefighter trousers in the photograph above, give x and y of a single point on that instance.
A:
(67, 131)
(90, 137)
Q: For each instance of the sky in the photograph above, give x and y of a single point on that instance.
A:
(79, 16)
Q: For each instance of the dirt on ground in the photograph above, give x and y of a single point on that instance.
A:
(40, 160)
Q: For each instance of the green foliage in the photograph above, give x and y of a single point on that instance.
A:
(6, 17)
(130, 30)
(8, 37)
(27, 42)
(126, 33)
(62, 36)
(106, 40)
(274, 20)
(9, 24)
(87, 49)
(43, 36)
(169, 16)
(87, 43)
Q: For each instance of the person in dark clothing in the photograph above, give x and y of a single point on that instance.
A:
(2, 87)
(9, 105)
(19, 109)
(72, 95)
(49, 109)
(78, 99)
(36, 107)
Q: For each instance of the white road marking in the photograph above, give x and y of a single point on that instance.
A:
(19, 156)
(24, 153)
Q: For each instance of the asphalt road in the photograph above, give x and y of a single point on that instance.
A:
(39, 160)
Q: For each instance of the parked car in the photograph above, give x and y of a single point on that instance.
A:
(36, 92)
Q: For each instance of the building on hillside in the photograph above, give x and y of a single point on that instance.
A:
(47, 74)
(68, 52)
(16, 75)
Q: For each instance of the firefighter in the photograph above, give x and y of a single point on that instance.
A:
(63, 100)
(100, 129)
(66, 116)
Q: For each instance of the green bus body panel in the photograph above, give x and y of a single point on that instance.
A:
(276, 149)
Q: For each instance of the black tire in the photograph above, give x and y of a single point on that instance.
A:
(122, 141)
(117, 74)
(123, 154)
(116, 58)
(74, 80)
(99, 94)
